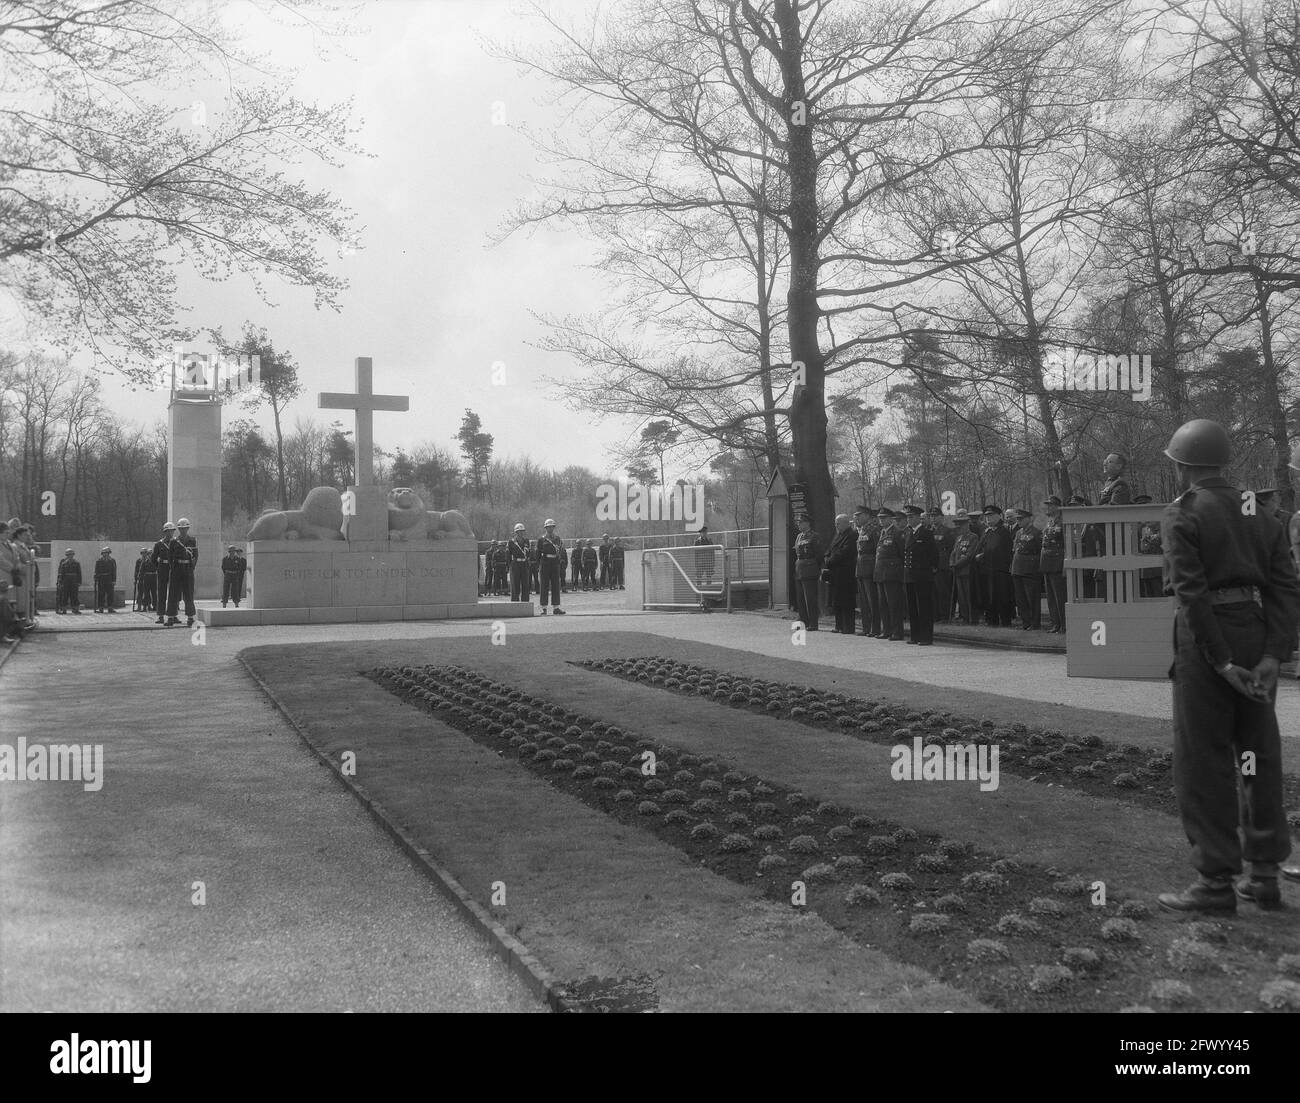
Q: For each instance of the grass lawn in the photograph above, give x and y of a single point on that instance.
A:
(593, 891)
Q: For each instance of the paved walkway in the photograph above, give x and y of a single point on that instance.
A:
(309, 906)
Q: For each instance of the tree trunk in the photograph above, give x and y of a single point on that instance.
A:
(1273, 408)
(808, 409)
(279, 455)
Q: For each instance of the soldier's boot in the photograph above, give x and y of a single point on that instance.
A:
(1203, 896)
(1260, 891)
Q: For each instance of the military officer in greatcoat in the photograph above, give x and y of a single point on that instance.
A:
(841, 564)
(993, 558)
(1238, 603)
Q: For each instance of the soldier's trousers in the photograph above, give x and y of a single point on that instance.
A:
(616, 574)
(893, 599)
(1000, 602)
(1214, 726)
(943, 590)
(520, 576)
(148, 596)
(232, 586)
(103, 594)
(965, 604)
(920, 610)
(808, 600)
(1054, 583)
(1029, 599)
(550, 575)
(180, 585)
(68, 596)
(868, 607)
(164, 584)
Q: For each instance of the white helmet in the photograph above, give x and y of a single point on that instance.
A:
(520, 528)
(549, 524)
(183, 523)
(169, 527)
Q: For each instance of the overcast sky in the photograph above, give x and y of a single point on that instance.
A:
(431, 302)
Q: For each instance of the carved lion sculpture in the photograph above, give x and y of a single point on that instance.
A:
(321, 518)
(409, 520)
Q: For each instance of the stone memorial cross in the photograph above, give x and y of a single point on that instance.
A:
(365, 402)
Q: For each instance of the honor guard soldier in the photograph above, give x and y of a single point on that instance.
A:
(188, 566)
(501, 557)
(519, 552)
(617, 554)
(589, 561)
(920, 562)
(162, 561)
(962, 561)
(602, 553)
(1051, 563)
(178, 567)
(550, 551)
(1026, 549)
(865, 569)
(233, 568)
(807, 573)
(1238, 603)
(890, 591)
(105, 580)
(68, 583)
(146, 581)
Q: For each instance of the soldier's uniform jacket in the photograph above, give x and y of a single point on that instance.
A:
(70, 571)
(517, 551)
(868, 538)
(807, 555)
(178, 556)
(1116, 492)
(616, 553)
(1149, 542)
(1026, 549)
(962, 556)
(144, 566)
(192, 545)
(1210, 545)
(889, 554)
(589, 556)
(500, 555)
(841, 560)
(995, 546)
(920, 555)
(1051, 559)
(9, 565)
(234, 565)
(161, 555)
(550, 548)
(944, 538)
(602, 551)
(105, 569)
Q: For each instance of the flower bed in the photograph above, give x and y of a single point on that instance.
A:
(920, 899)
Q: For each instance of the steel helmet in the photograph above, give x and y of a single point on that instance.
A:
(519, 528)
(1202, 443)
(549, 523)
(183, 523)
(169, 527)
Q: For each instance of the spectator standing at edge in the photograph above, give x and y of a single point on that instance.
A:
(890, 591)
(841, 562)
(807, 573)
(864, 570)
(1051, 563)
(1238, 603)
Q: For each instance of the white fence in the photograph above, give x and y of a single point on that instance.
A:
(684, 578)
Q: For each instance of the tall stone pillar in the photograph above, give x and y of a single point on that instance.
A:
(194, 481)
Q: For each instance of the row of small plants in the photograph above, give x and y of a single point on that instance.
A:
(1017, 936)
(1088, 763)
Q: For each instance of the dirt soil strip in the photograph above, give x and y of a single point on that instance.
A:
(585, 893)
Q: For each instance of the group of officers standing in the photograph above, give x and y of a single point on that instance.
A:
(922, 566)
(520, 566)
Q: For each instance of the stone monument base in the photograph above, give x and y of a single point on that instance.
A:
(230, 617)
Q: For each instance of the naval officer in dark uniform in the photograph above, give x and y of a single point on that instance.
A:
(920, 561)
(1238, 603)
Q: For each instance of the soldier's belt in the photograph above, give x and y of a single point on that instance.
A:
(1235, 595)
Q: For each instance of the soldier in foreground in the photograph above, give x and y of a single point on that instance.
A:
(68, 583)
(1238, 602)
(188, 565)
(550, 552)
(519, 553)
(146, 578)
(162, 561)
(233, 568)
